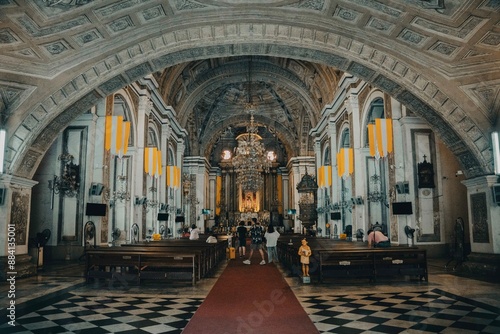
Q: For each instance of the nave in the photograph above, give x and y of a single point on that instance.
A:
(58, 301)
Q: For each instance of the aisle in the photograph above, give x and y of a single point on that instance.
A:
(250, 299)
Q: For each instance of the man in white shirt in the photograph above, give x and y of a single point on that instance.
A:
(194, 234)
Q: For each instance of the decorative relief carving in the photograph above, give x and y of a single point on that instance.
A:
(8, 95)
(7, 3)
(139, 71)
(112, 85)
(28, 164)
(66, 3)
(411, 37)
(117, 6)
(480, 231)
(347, 14)
(7, 36)
(464, 30)
(56, 48)
(491, 39)
(490, 4)
(380, 25)
(88, 37)
(27, 53)
(35, 31)
(187, 4)
(378, 6)
(153, 13)
(120, 25)
(485, 95)
(361, 71)
(19, 215)
(444, 48)
(387, 85)
(310, 4)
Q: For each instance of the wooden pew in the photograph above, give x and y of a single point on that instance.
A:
(140, 263)
(209, 257)
(345, 259)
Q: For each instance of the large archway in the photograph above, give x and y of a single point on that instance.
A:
(76, 81)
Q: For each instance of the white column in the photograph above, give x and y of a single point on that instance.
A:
(484, 215)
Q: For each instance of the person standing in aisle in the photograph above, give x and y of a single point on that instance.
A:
(271, 237)
(241, 231)
(256, 233)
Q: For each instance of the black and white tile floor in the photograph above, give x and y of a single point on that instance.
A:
(102, 314)
(64, 304)
(434, 311)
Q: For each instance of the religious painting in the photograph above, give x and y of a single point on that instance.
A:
(480, 232)
(19, 215)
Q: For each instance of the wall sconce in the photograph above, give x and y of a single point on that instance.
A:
(495, 144)
(140, 200)
(69, 182)
(403, 187)
(96, 189)
(359, 200)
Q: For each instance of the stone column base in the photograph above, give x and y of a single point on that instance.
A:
(24, 267)
(482, 264)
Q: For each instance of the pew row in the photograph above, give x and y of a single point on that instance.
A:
(186, 260)
(346, 259)
(373, 263)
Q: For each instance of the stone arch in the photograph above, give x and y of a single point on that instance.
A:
(402, 80)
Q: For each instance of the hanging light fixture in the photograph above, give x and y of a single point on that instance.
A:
(251, 158)
(68, 183)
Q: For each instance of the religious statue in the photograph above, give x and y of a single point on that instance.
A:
(305, 253)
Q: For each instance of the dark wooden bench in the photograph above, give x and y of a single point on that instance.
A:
(210, 255)
(347, 259)
(164, 259)
(373, 263)
(138, 264)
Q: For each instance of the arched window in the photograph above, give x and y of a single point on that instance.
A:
(327, 159)
(345, 139)
(170, 157)
(121, 108)
(152, 138)
(376, 111)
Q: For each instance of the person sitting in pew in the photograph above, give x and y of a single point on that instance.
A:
(194, 234)
(212, 239)
(378, 239)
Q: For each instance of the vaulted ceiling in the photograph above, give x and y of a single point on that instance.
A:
(58, 57)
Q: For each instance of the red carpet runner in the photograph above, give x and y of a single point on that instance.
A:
(250, 299)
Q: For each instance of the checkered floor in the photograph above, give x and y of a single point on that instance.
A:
(101, 314)
(434, 311)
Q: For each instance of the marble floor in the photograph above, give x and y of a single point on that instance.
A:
(59, 301)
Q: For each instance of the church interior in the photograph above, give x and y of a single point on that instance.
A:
(127, 122)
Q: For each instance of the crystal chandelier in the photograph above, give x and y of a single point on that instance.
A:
(251, 159)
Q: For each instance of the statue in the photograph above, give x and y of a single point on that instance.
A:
(305, 253)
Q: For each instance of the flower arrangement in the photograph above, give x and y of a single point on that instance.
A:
(156, 236)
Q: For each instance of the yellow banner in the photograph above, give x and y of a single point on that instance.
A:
(117, 133)
(380, 137)
(345, 162)
(218, 183)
